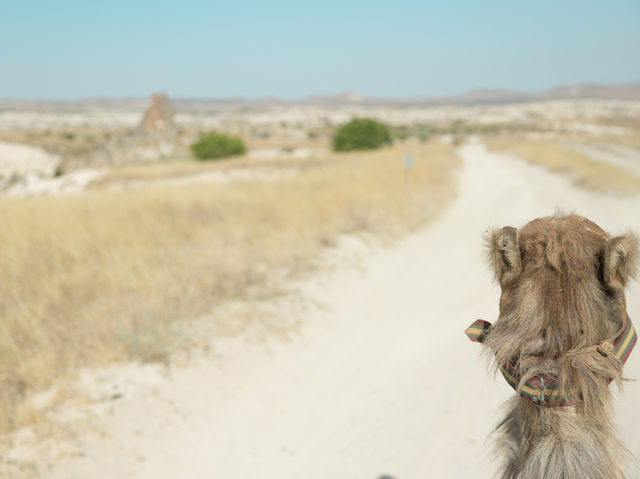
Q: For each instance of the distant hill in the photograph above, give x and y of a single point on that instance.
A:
(630, 91)
(488, 96)
(347, 97)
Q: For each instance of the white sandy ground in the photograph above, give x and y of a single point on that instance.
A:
(72, 183)
(379, 380)
(29, 171)
(26, 170)
(254, 174)
(21, 159)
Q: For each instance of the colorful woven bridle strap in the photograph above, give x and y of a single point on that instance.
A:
(543, 390)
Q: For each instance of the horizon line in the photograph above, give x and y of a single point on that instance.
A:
(336, 95)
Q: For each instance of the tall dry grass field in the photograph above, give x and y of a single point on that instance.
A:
(110, 276)
(583, 170)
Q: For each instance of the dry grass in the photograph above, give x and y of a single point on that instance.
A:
(110, 276)
(583, 170)
(629, 141)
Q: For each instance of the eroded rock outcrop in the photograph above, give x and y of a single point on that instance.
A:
(155, 137)
(24, 164)
(157, 122)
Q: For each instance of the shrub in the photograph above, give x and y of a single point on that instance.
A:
(361, 134)
(214, 145)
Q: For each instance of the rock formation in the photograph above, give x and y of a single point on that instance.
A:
(155, 137)
(157, 122)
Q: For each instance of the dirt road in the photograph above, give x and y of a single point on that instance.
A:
(380, 380)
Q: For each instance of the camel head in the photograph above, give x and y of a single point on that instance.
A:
(562, 280)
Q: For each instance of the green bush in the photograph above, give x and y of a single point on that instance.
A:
(214, 145)
(361, 134)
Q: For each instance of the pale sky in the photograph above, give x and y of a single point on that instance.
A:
(291, 49)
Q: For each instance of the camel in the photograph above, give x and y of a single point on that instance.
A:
(561, 337)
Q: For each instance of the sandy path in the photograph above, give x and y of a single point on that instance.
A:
(381, 380)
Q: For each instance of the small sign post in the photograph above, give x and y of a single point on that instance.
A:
(408, 164)
(408, 161)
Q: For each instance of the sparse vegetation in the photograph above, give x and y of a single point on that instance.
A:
(215, 145)
(461, 129)
(583, 170)
(76, 142)
(361, 134)
(400, 132)
(109, 276)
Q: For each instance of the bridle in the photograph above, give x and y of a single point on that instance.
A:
(544, 390)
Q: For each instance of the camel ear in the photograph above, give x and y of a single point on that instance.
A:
(620, 261)
(505, 254)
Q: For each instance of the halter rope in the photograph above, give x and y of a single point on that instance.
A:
(542, 390)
